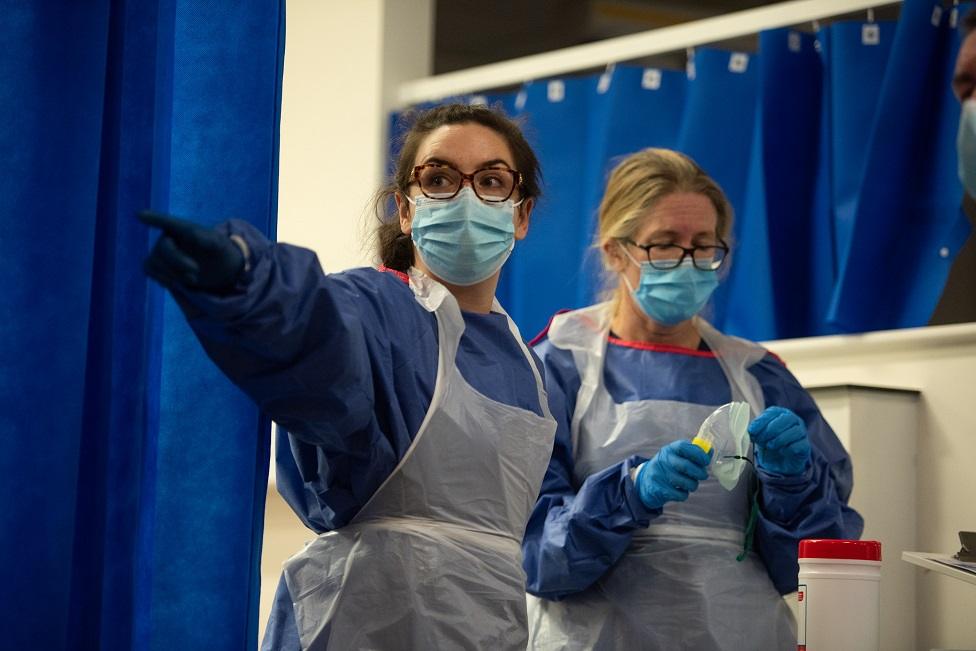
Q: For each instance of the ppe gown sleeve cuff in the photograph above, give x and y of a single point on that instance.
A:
(252, 243)
(245, 251)
(786, 482)
(782, 496)
(794, 508)
(259, 271)
(642, 514)
(572, 540)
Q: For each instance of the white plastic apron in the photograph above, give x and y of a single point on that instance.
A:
(433, 560)
(679, 585)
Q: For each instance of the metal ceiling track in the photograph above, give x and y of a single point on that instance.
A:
(625, 48)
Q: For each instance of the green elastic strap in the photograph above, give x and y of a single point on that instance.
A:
(751, 525)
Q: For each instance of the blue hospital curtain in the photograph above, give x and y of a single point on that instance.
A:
(717, 132)
(858, 57)
(554, 119)
(785, 156)
(744, 304)
(133, 473)
(835, 149)
(905, 222)
(821, 249)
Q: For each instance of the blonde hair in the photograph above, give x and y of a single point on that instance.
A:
(635, 186)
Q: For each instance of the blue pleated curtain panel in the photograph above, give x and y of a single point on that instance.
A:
(904, 225)
(132, 474)
(836, 149)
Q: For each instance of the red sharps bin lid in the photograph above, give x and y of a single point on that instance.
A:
(855, 550)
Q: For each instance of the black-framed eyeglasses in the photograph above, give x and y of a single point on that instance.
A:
(442, 181)
(668, 256)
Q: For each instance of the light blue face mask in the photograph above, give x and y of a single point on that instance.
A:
(966, 146)
(670, 296)
(463, 240)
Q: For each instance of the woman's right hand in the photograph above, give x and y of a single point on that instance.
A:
(192, 255)
(672, 474)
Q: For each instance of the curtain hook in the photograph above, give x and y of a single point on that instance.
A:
(690, 62)
(816, 26)
(603, 83)
(870, 15)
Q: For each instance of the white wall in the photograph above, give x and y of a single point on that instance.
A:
(343, 63)
(939, 362)
(885, 491)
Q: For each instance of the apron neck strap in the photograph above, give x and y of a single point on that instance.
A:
(539, 384)
(436, 298)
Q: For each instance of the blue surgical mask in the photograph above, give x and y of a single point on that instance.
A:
(670, 296)
(463, 240)
(966, 146)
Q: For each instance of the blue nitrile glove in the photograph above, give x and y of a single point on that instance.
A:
(192, 255)
(672, 474)
(781, 441)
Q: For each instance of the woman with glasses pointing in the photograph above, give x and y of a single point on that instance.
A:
(631, 545)
(414, 429)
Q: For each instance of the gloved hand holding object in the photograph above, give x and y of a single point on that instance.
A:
(672, 474)
(781, 441)
(193, 255)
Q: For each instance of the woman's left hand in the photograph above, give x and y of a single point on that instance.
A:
(781, 441)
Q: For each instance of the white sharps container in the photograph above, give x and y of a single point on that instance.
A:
(839, 596)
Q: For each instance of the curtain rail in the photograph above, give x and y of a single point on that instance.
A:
(623, 48)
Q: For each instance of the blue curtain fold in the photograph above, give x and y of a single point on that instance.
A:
(134, 474)
(717, 132)
(48, 200)
(857, 68)
(554, 115)
(905, 220)
(745, 299)
(822, 242)
(787, 154)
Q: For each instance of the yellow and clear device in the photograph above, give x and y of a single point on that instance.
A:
(725, 432)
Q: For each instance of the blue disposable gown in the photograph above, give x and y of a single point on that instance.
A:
(578, 531)
(346, 363)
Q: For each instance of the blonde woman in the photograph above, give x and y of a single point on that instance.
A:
(631, 544)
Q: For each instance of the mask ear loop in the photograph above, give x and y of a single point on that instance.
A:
(623, 247)
(631, 258)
